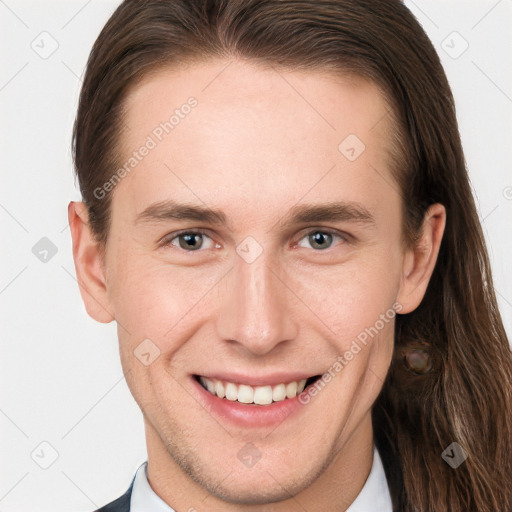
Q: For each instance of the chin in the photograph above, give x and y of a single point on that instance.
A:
(268, 481)
(270, 488)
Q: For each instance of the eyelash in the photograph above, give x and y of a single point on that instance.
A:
(167, 240)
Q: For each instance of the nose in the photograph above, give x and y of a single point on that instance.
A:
(255, 306)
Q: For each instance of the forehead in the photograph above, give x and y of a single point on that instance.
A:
(257, 131)
(337, 99)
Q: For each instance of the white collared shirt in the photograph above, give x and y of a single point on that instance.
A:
(374, 495)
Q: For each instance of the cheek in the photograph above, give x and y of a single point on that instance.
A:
(151, 298)
(352, 306)
(351, 297)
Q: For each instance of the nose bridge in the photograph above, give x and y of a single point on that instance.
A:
(254, 311)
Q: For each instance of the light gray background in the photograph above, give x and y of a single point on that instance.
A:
(60, 378)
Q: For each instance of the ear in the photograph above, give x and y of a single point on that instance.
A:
(419, 261)
(89, 264)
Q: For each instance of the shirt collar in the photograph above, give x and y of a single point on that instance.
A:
(144, 499)
(374, 495)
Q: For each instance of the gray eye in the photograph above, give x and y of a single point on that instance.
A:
(320, 240)
(191, 241)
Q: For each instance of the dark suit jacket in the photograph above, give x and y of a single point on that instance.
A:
(122, 504)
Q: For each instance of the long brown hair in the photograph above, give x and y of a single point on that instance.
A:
(466, 398)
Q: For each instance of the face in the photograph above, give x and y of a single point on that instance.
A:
(255, 246)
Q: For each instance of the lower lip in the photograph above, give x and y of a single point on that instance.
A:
(247, 415)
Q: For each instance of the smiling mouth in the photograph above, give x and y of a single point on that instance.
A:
(258, 395)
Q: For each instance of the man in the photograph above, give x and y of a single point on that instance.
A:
(247, 235)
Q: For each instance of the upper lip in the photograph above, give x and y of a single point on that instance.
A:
(258, 380)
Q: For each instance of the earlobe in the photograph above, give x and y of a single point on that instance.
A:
(420, 261)
(89, 265)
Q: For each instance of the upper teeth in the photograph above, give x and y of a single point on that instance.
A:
(261, 395)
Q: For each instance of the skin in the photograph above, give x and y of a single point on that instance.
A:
(259, 142)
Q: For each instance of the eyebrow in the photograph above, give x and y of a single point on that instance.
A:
(332, 211)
